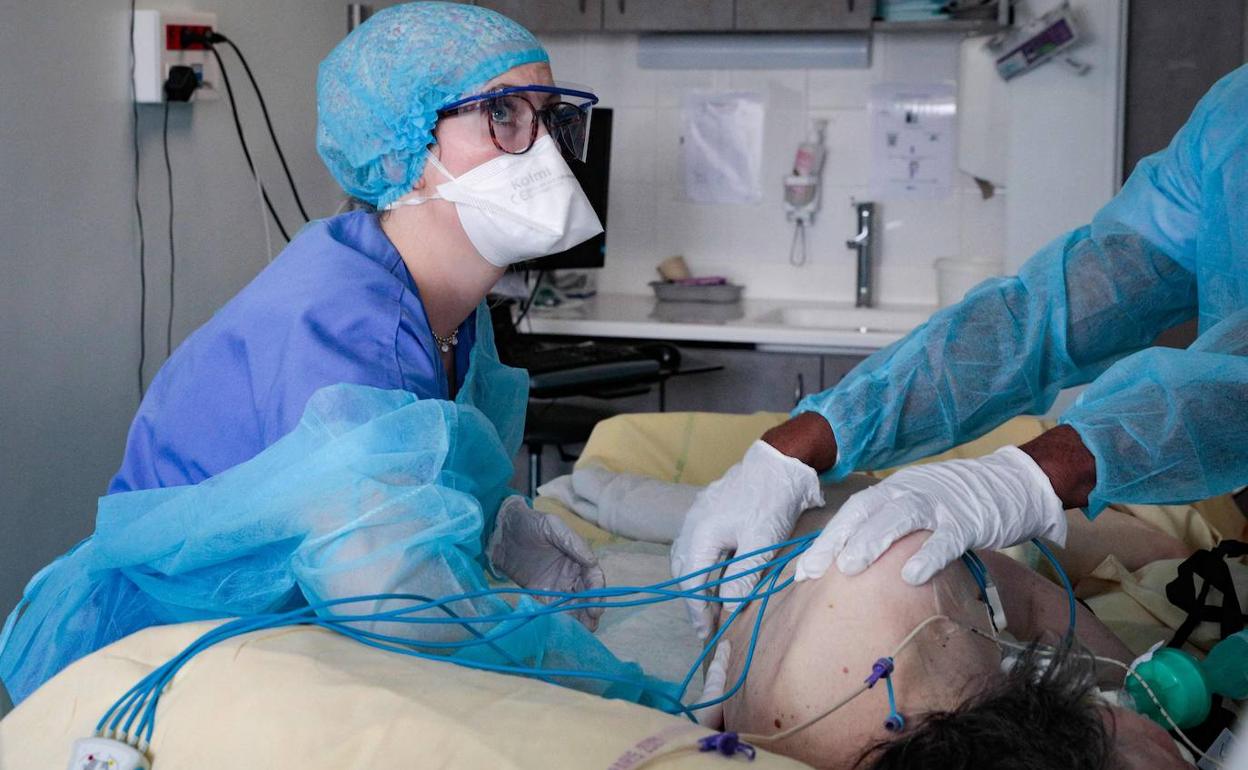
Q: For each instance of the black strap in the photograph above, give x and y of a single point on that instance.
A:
(1211, 566)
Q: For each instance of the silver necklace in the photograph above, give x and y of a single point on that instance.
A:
(446, 343)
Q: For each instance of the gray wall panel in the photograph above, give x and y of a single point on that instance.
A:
(69, 297)
(1175, 52)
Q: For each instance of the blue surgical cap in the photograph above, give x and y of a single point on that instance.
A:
(380, 89)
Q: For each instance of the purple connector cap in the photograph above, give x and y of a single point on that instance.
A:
(881, 669)
(728, 744)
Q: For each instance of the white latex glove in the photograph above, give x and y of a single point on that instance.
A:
(540, 551)
(991, 502)
(713, 685)
(752, 506)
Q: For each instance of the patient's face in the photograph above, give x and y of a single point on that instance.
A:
(1140, 743)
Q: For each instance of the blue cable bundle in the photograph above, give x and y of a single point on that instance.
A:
(141, 701)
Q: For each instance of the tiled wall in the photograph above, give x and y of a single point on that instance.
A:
(648, 220)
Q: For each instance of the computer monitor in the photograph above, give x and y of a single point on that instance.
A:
(594, 175)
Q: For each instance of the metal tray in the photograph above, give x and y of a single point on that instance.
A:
(723, 293)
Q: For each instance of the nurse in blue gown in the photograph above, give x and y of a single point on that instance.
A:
(343, 426)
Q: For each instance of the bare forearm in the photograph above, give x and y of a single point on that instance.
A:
(1064, 458)
(1059, 452)
(807, 437)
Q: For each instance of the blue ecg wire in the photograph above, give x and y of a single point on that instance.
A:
(140, 701)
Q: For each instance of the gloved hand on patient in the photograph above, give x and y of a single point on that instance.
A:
(540, 551)
(753, 505)
(990, 502)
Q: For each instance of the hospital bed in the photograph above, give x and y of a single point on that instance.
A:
(695, 448)
(307, 698)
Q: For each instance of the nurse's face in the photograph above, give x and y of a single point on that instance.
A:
(464, 142)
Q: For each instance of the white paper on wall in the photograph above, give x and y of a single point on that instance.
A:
(723, 146)
(913, 142)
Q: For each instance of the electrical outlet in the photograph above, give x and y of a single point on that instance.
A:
(176, 37)
(159, 44)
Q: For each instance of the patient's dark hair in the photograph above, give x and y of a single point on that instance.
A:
(1040, 716)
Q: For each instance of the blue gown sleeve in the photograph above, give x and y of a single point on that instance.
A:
(1088, 299)
(373, 492)
(1168, 425)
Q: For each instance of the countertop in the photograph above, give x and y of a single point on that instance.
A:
(801, 326)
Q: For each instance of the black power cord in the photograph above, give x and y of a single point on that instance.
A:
(238, 126)
(181, 84)
(524, 310)
(179, 87)
(172, 259)
(264, 109)
(138, 212)
(210, 40)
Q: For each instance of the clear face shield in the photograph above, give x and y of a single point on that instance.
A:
(514, 117)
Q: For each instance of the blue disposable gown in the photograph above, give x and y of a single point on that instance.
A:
(337, 305)
(373, 492)
(1165, 425)
(268, 473)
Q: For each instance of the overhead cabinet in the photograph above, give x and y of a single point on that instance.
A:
(803, 15)
(667, 15)
(686, 15)
(551, 15)
(712, 16)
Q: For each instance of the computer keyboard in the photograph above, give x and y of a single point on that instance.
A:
(544, 357)
(561, 365)
(603, 374)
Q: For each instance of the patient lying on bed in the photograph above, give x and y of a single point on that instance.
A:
(820, 638)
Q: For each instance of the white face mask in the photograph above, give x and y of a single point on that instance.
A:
(518, 207)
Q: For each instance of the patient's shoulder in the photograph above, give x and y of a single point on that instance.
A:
(821, 638)
(880, 590)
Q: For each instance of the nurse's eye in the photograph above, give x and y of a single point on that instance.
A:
(512, 123)
(502, 111)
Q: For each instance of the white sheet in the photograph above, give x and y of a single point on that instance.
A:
(659, 636)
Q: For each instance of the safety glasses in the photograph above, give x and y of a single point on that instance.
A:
(513, 116)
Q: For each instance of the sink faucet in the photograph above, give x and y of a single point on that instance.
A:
(864, 242)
